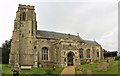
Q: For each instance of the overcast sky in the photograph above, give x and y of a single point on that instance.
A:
(92, 19)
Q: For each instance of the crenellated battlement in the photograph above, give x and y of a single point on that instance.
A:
(26, 6)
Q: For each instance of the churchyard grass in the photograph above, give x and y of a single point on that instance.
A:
(94, 69)
(43, 71)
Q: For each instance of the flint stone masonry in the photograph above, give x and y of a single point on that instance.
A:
(40, 48)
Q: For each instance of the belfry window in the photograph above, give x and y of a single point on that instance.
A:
(88, 53)
(24, 16)
(44, 53)
(81, 52)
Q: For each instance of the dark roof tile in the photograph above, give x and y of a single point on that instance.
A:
(56, 35)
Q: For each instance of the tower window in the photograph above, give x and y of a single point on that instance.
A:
(64, 53)
(24, 16)
(32, 29)
(22, 35)
(65, 59)
(32, 32)
(34, 47)
(69, 44)
(20, 17)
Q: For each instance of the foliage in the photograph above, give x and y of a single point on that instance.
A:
(117, 58)
(6, 51)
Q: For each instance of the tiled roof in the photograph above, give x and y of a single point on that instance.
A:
(56, 35)
(92, 43)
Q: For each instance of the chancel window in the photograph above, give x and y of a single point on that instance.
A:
(88, 53)
(44, 53)
(81, 52)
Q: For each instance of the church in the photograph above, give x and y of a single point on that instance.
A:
(40, 48)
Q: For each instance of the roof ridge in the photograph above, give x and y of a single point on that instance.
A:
(57, 32)
(57, 35)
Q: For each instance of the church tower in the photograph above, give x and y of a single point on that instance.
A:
(23, 38)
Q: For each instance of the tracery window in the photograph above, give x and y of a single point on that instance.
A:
(88, 53)
(81, 52)
(44, 53)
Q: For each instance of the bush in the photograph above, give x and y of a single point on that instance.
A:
(117, 58)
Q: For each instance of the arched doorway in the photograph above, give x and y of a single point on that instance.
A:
(70, 59)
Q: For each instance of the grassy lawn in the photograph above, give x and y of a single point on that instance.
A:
(57, 71)
(43, 71)
(113, 70)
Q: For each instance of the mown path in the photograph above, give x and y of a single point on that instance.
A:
(70, 70)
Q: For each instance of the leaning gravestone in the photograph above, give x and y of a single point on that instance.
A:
(110, 63)
(99, 67)
(88, 70)
(79, 70)
(105, 64)
(102, 66)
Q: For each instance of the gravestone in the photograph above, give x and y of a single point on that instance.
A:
(102, 66)
(79, 70)
(88, 70)
(110, 63)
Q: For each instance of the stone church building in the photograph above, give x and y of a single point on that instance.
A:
(38, 48)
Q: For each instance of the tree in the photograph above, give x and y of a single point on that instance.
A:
(104, 50)
(6, 51)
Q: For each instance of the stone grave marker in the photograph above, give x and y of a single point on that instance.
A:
(88, 70)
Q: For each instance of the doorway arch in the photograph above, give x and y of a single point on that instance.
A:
(70, 59)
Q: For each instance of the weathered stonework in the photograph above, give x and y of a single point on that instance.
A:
(38, 48)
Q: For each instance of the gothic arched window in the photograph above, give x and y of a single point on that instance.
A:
(44, 53)
(81, 52)
(88, 53)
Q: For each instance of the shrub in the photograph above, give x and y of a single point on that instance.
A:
(117, 58)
